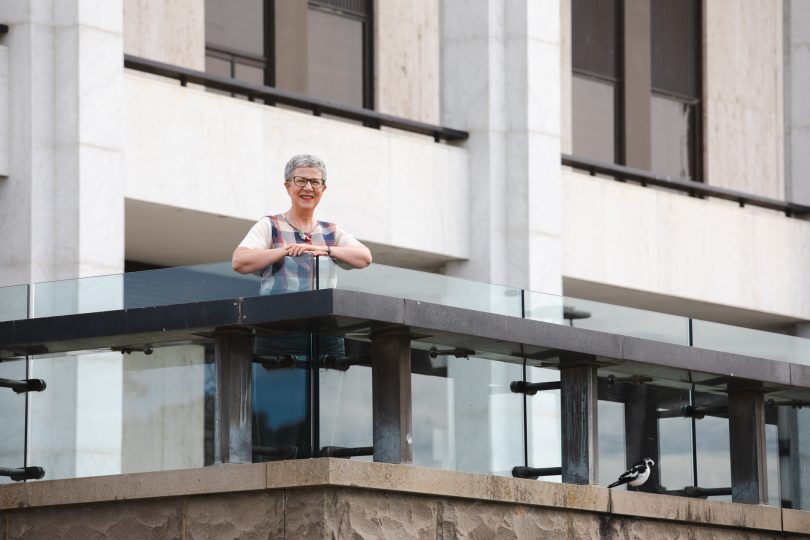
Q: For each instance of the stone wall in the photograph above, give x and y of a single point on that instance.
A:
(328, 498)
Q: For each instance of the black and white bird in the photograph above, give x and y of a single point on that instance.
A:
(635, 475)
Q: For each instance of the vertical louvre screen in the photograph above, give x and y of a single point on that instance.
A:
(594, 29)
(675, 39)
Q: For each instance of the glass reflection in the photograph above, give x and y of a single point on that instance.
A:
(593, 117)
(673, 133)
(793, 447)
(335, 57)
(235, 24)
(471, 421)
(345, 398)
(165, 408)
(14, 303)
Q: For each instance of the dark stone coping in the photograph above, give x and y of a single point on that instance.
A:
(339, 310)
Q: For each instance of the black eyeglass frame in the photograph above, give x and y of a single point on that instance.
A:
(297, 181)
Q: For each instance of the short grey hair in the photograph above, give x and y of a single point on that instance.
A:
(304, 160)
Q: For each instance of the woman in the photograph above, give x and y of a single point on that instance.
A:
(296, 232)
(281, 248)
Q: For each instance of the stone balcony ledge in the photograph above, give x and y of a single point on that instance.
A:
(322, 498)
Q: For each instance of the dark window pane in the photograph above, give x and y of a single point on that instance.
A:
(335, 57)
(235, 24)
(593, 119)
(675, 37)
(594, 31)
(673, 137)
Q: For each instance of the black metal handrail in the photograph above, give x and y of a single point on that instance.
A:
(276, 96)
(620, 172)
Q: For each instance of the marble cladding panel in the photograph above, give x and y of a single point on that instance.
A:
(543, 91)
(407, 59)
(743, 96)
(744, 150)
(100, 211)
(565, 76)
(5, 113)
(180, 138)
(670, 244)
(470, 20)
(101, 88)
(170, 31)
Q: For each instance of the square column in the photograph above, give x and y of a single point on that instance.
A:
(391, 396)
(578, 418)
(233, 422)
(746, 426)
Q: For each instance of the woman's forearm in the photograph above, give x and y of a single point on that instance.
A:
(356, 256)
(248, 261)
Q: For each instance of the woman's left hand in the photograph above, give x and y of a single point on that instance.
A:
(294, 250)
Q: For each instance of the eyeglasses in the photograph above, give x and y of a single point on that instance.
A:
(301, 181)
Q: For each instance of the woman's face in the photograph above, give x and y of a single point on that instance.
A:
(305, 198)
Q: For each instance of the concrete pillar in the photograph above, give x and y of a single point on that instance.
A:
(61, 207)
(500, 81)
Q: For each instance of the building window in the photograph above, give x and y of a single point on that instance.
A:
(237, 40)
(327, 46)
(595, 82)
(339, 49)
(636, 84)
(675, 102)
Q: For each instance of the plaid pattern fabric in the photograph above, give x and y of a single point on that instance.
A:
(293, 274)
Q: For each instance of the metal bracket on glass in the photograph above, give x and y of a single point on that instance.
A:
(690, 411)
(535, 472)
(286, 451)
(23, 473)
(273, 361)
(530, 389)
(344, 452)
(794, 403)
(146, 349)
(701, 493)
(458, 352)
(23, 386)
(330, 361)
(633, 379)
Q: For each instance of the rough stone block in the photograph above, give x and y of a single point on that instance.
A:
(304, 512)
(134, 519)
(238, 515)
(367, 514)
(473, 519)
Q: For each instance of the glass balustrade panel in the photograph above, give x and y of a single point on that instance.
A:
(749, 342)
(423, 286)
(13, 303)
(12, 428)
(345, 400)
(607, 318)
(543, 423)
(465, 417)
(112, 413)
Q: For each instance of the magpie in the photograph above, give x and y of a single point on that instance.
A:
(635, 475)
